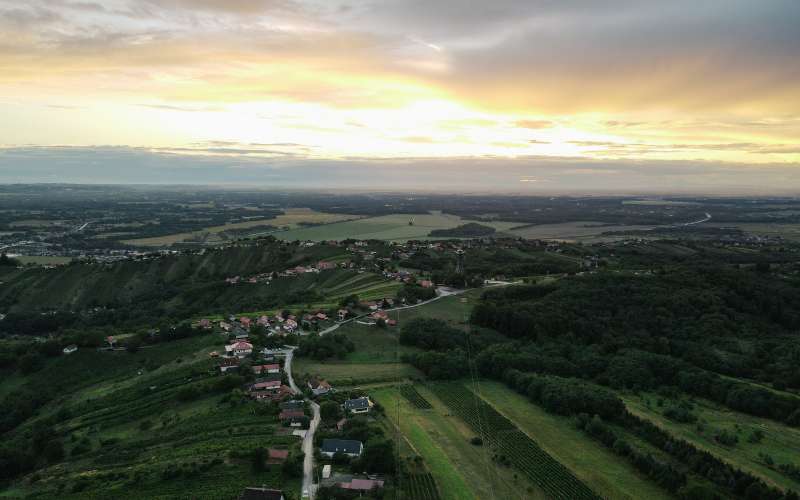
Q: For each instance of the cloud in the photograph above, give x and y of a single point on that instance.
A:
(553, 175)
(534, 124)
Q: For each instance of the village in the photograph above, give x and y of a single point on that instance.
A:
(270, 382)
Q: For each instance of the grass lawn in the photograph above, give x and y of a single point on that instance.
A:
(373, 344)
(460, 469)
(606, 473)
(781, 442)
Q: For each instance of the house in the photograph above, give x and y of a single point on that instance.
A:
(308, 320)
(319, 387)
(326, 471)
(229, 364)
(241, 348)
(245, 322)
(266, 385)
(205, 324)
(273, 368)
(225, 326)
(271, 393)
(362, 484)
(351, 448)
(70, 349)
(324, 264)
(275, 456)
(293, 405)
(343, 314)
(358, 405)
(321, 316)
(290, 325)
(262, 321)
(378, 315)
(290, 414)
(261, 494)
(426, 284)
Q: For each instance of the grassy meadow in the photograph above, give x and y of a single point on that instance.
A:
(394, 227)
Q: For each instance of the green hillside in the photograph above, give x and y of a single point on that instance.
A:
(158, 423)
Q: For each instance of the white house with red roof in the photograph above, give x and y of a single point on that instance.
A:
(240, 349)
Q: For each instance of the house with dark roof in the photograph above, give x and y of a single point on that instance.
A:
(358, 405)
(294, 404)
(261, 494)
(349, 447)
(229, 364)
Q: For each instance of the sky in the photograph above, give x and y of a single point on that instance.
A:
(507, 95)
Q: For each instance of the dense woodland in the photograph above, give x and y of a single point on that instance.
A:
(726, 333)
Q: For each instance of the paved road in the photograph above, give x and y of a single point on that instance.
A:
(309, 488)
(704, 219)
(442, 292)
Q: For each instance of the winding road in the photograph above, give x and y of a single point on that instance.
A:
(308, 489)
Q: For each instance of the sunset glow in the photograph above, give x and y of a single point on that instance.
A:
(391, 79)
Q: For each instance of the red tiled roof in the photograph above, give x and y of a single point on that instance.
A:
(278, 454)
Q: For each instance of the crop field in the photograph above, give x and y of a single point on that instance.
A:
(780, 442)
(462, 470)
(579, 230)
(512, 445)
(605, 472)
(291, 218)
(419, 487)
(394, 227)
(414, 397)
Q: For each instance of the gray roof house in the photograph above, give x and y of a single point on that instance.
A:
(349, 447)
(358, 405)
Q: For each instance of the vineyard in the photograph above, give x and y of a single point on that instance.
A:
(510, 445)
(419, 486)
(414, 397)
